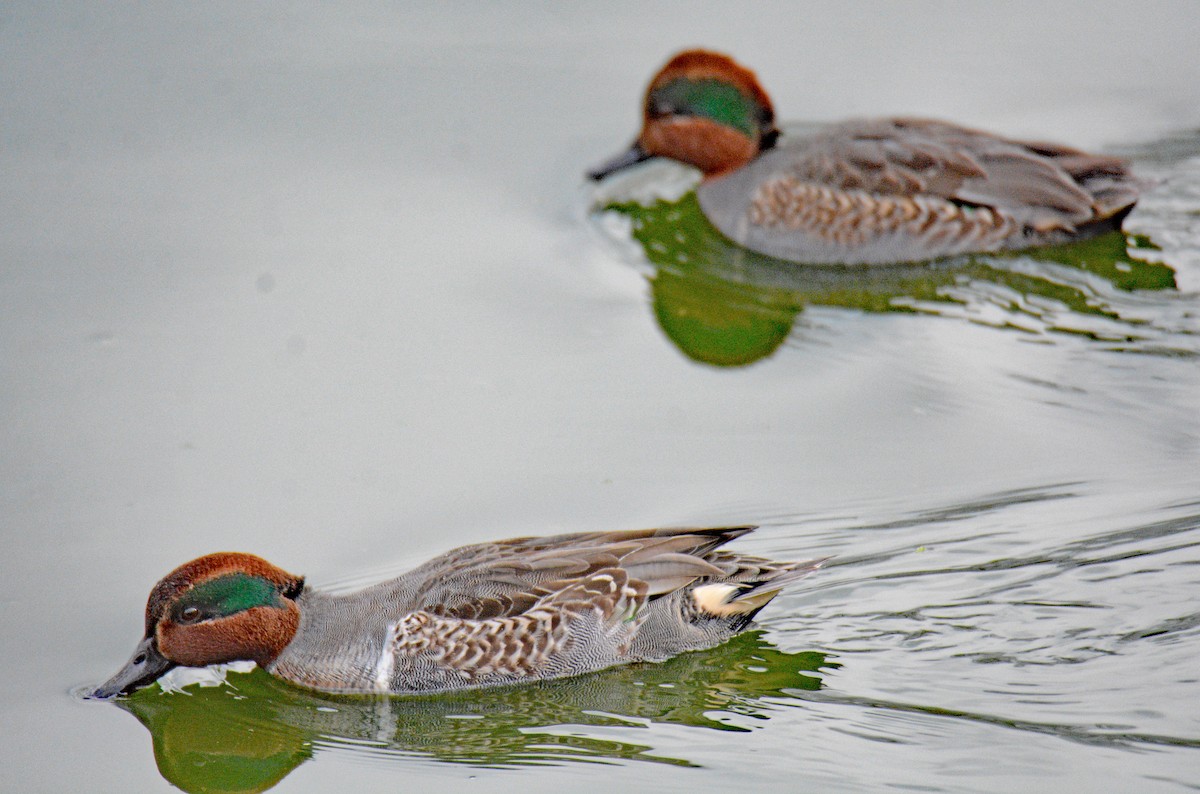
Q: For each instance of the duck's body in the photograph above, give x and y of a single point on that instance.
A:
(871, 191)
(483, 615)
(900, 190)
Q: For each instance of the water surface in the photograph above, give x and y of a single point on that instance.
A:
(329, 287)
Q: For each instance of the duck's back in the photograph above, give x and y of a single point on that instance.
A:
(897, 190)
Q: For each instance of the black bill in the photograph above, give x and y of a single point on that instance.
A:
(631, 156)
(142, 669)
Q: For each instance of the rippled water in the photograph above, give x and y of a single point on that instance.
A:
(329, 287)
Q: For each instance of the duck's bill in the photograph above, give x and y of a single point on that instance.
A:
(142, 669)
(631, 156)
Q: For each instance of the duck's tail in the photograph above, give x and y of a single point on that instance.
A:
(739, 599)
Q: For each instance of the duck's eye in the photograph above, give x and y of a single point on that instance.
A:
(661, 107)
(189, 614)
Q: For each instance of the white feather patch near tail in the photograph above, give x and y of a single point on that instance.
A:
(726, 600)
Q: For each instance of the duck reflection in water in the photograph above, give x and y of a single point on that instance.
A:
(723, 305)
(252, 731)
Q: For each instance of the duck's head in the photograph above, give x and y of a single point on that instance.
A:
(219, 608)
(704, 109)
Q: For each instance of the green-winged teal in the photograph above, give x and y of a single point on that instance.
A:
(868, 191)
(483, 615)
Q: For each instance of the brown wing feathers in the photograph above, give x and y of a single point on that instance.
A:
(1042, 185)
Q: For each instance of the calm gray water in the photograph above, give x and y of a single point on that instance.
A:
(328, 286)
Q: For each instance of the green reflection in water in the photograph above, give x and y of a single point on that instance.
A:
(248, 734)
(724, 305)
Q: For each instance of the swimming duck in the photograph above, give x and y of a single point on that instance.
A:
(869, 191)
(488, 614)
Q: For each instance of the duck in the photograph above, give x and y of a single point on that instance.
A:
(866, 191)
(488, 614)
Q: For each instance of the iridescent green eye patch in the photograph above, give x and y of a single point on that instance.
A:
(713, 99)
(224, 596)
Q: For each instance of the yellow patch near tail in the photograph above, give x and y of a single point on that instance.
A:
(723, 600)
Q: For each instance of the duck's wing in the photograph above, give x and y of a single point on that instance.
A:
(900, 190)
(547, 607)
(586, 622)
(1042, 186)
(506, 578)
(587, 625)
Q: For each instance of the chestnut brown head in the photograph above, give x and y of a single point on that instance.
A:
(704, 109)
(218, 608)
